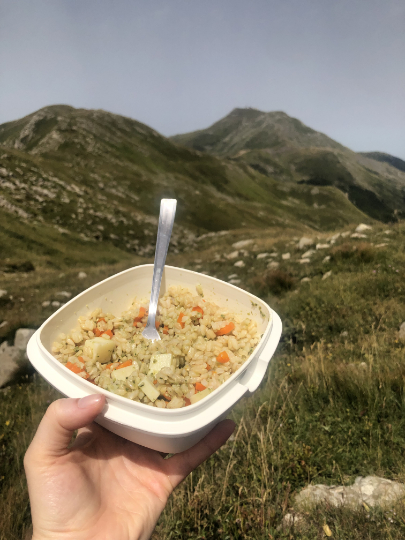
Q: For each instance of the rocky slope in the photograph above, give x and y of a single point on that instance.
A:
(285, 149)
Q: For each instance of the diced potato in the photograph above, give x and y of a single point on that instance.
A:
(101, 349)
(122, 373)
(200, 395)
(148, 389)
(159, 361)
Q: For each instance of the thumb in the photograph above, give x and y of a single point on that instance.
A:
(62, 418)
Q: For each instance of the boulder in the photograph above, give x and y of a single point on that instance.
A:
(22, 337)
(286, 256)
(239, 264)
(10, 358)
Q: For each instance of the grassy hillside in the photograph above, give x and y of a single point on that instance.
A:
(331, 408)
(285, 149)
(101, 176)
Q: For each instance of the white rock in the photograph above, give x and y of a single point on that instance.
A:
(262, 255)
(304, 242)
(273, 264)
(233, 276)
(344, 234)
(401, 334)
(234, 281)
(370, 490)
(328, 274)
(387, 231)
(2, 293)
(239, 264)
(3, 172)
(358, 235)
(322, 246)
(46, 303)
(314, 191)
(307, 254)
(65, 294)
(22, 337)
(232, 255)
(82, 275)
(345, 333)
(242, 244)
(381, 245)
(334, 238)
(286, 256)
(363, 227)
(305, 261)
(3, 324)
(55, 303)
(274, 254)
(326, 259)
(305, 279)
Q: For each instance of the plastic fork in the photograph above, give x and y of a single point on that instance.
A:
(166, 220)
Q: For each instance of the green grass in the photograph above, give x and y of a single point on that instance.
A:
(332, 406)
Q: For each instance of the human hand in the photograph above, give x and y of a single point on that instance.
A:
(102, 487)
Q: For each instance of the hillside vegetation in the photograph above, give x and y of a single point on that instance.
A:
(284, 148)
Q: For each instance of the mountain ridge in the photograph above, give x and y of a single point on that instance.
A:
(285, 149)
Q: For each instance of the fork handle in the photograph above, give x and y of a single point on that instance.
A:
(166, 220)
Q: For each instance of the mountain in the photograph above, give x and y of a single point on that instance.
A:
(99, 177)
(285, 149)
(386, 158)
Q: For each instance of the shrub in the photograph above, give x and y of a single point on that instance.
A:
(275, 282)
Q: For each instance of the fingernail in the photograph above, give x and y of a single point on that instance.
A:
(89, 401)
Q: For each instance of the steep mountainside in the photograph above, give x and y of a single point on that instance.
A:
(386, 158)
(100, 176)
(283, 148)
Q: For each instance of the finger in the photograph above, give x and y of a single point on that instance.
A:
(181, 465)
(61, 419)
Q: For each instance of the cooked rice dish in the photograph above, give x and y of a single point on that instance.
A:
(201, 345)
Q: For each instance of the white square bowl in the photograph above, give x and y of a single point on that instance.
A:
(165, 430)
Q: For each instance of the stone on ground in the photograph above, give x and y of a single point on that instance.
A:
(239, 264)
(327, 274)
(307, 254)
(232, 255)
(262, 255)
(2, 293)
(273, 264)
(401, 333)
(305, 260)
(358, 235)
(82, 275)
(242, 244)
(322, 246)
(371, 490)
(362, 227)
(304, 242)
(22, 337)
(286, 256)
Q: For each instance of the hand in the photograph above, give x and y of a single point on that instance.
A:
(103, 487)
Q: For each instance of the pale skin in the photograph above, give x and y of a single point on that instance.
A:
(102, 487)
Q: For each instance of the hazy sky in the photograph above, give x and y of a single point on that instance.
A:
(180, 65)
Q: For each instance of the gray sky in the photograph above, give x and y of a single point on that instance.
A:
(180, 65)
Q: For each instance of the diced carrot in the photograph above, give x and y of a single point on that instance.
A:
(200, 310)
(108, 366)
(81, 359)
(199, 387)
(226, 329)
(157, 324)
(109, 333)
(182, 324)
(188, 402)
(73, 367)
(86, 376)
(155, 381)
(223, 357)
(141, 315)
(125, 364)
(101, 319)
(208, 367)
(165, 329)
(97, 332)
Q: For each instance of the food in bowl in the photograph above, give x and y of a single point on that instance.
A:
(202, 345)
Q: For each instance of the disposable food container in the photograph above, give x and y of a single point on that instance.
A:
(165, 430)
